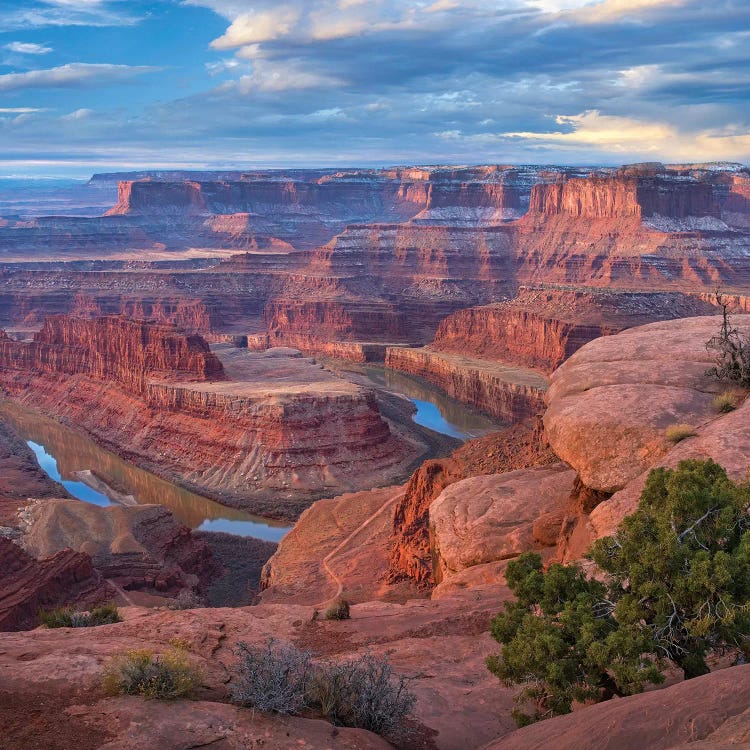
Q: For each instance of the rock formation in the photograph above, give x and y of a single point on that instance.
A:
(270, 432)
(28, 585)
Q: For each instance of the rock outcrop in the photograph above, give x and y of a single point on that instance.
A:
(541, 328)
(138, 547)
(610, 405)
(412, 556)
(488, 519)
(706, 713)
(28, 585)
(274, 433)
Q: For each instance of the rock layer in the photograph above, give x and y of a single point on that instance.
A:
(276, 432)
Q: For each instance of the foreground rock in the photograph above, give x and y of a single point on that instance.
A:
(706, 713)
(268, 432)
(412, 555)
(611, 402)
(610, 405)
(489, 519)
(460, 704)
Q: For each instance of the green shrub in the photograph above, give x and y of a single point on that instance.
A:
(729, 400)
(67, 617)
(677, 432)
(676, 586)
(165, 677)
(339, 610)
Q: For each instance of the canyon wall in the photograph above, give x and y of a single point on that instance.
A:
(541, 328)
(506, 392)
(112, 349)
(275, 432)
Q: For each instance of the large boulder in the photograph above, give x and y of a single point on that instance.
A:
(706, 713)
(492, 518)
(611, 402)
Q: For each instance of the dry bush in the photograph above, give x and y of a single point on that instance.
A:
(339, 610)
(678, 432)
(363, 693)
(273, 677)
(165, 677)
(729, 400)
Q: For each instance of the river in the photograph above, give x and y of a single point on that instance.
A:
(67, 456)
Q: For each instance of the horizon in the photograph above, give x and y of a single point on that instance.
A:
(103, 85)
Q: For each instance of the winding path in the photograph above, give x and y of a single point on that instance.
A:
(327, 559)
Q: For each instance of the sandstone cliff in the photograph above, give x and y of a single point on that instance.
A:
(112, 349)
(541, 328)
(275, 432)
(28, 585)
(502, 390)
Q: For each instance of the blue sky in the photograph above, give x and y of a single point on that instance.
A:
(88, 85)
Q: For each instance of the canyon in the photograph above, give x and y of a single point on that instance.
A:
(216, 329)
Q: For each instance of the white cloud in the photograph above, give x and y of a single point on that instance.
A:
(596, 133)
(262, 26)
(78, 114)
(71, 75)
(28, 48)
(20, 110)
(282, 76)
(603, 11)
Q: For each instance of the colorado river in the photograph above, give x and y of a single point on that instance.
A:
(435, 410)
(68, 457)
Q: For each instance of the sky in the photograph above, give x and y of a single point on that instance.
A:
(96, 85)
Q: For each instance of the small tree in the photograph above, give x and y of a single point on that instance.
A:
(562, 643)
(677, 585)
(679, 567)
(731, 349)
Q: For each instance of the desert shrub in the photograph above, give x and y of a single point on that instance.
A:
(732, 350)
(675, 433)
(363, 693)
(729, 400)
(273, 677)
(339, 610)
(676, 586)
(67, 617)
(186, 599)
(139, 672)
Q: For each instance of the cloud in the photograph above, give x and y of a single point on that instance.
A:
(72, 75)
(27, 48)
(594, 132)
(282, 76)
(20, 110)
(30, 14)
(262, 26)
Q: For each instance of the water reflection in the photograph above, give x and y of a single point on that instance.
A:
(435, 409)
(62, 453)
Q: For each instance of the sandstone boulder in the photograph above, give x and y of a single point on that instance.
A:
(709, 712)
(611, 402)
(491, 518)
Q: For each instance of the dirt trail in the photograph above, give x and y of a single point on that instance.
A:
(327, 559)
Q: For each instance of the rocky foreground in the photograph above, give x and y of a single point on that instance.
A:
(423, 565)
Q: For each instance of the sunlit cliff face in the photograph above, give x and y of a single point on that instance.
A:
(95, 83)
